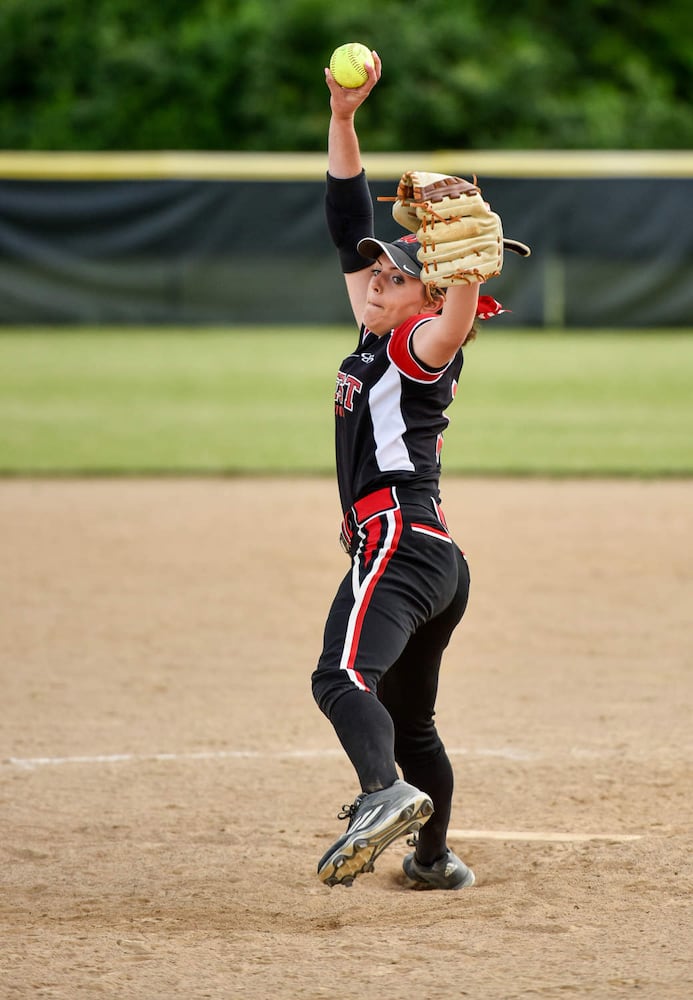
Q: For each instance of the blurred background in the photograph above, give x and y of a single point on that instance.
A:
(166, 280)
(160, 163)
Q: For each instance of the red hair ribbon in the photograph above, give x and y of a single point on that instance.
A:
(488, 307)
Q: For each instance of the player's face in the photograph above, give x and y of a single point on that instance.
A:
(392, 297)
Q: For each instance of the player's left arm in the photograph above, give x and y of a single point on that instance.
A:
(461, 246)
(438, 341)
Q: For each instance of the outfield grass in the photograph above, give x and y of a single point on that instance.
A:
(260, 400)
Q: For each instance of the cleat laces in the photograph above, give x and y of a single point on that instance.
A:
(349, 809)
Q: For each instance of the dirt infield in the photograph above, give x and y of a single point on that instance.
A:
(167, 784)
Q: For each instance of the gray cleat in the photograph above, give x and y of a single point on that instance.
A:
(447, 872)
(375, 820)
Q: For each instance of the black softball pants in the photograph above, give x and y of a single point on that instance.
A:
(389, 624)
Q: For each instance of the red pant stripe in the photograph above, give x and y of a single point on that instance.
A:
(427, 529)
(363, 589)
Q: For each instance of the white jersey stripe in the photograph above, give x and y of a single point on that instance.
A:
(389, 427)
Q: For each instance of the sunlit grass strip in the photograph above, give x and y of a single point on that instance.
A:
(259, 400)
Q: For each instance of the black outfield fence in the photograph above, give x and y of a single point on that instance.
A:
(237, 239)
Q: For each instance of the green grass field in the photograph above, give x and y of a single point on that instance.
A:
(259, 400)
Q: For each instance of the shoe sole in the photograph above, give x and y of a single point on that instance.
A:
(358, 855)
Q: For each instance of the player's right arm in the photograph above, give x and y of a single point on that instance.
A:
(348, 201)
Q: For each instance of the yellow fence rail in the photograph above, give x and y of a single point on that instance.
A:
(22, 165)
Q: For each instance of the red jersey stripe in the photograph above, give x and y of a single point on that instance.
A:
(401, 352)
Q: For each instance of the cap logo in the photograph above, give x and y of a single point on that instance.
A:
(408, 239)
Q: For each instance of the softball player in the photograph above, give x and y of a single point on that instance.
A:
(407, 587)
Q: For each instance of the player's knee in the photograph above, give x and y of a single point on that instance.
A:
(323, 687)
(329, 684)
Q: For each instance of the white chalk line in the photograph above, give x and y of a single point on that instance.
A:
(544, 837)
(140, 758)
(504, 753)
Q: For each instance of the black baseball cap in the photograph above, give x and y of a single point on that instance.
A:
(402, 253)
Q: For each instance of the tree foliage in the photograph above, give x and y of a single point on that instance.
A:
(247, 74)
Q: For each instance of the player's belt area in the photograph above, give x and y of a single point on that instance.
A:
(363, 510)
(379, 502)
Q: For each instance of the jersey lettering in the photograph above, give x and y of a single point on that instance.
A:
(347, 385)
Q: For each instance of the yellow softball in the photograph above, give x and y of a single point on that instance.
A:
(347, 64)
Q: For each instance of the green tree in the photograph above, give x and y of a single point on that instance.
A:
(247, 74)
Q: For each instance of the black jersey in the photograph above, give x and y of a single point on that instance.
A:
(390, 414)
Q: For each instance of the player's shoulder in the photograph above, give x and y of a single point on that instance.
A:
(401, 351)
